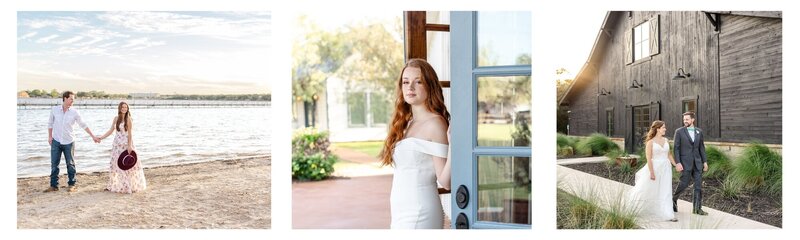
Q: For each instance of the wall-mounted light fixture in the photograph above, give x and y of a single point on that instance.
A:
(681, 75)
(635, 84)
(604, 92)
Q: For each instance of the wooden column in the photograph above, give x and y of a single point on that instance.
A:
(416, 37)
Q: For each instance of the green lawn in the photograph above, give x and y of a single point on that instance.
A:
(495, 134)
(372, 148)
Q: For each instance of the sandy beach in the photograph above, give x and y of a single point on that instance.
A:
(225, 194)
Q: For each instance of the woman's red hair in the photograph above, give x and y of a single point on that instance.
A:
(402, 110)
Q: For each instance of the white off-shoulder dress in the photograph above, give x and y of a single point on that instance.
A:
(415, 202)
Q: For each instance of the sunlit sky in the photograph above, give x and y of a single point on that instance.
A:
(568, 47)
(135, 52)
(574, 39)
(331, 20)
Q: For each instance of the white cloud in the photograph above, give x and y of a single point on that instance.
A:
(175, 23)
(60, 23)
(29, 35)
(107, 44)
(70, 40)
(141, 43)
(47, 39)
(90, 42)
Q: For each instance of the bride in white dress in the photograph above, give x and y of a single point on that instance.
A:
(417, 147)
(652, 194)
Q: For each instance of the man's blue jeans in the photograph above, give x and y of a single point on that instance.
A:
(55, 159)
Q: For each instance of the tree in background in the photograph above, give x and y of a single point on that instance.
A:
(317, 54)
(562, 112)
(376, 56)
(367, 55)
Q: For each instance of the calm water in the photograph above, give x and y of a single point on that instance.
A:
(162, 136)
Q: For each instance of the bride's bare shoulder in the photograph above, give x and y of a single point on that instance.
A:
(436, 129)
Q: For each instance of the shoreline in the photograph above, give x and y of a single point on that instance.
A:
(220, 194)
(105, 169)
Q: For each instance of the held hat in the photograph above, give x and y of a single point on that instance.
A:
(126, 161)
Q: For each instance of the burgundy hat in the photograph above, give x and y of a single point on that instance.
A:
(126, 161)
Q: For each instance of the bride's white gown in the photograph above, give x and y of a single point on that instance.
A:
(653, 198)
(415, 200)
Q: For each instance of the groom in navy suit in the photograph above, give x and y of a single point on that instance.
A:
(690, 150)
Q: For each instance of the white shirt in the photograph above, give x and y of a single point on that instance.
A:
(692, 133)
(62, 124)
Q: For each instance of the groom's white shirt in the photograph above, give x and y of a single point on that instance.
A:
(692, 133)
(62, 124)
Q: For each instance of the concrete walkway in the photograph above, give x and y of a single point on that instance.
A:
(345, 203)
(357, 197)
(567, 161)
(608, 193)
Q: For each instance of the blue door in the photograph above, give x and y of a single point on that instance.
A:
(491, 117)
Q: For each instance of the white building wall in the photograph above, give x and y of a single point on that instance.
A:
(338, 119)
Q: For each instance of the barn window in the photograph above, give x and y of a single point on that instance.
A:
(641, 41)
(689, 104)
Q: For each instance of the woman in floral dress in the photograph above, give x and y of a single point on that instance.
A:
(123, 181)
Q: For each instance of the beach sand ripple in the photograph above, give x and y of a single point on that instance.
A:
(227, 194)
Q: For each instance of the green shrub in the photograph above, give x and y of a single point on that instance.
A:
(614, 154)
(310, 141)
(719, 165)
(758, 169)
(731, 189)
(576, 213)
(315, 167)
(311, 158)
(565, 151)
(615, 220)
(596, 145)
(563, 140)
(626, 168)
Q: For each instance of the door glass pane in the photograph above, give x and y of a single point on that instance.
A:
(504, 189)
(504, 38)
(504, 111)
(641, 116)
(437, 17)
(439, 53)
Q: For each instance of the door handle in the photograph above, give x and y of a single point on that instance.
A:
(462, 222)
(462, 197)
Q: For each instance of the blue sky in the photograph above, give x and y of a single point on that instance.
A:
(127, 52)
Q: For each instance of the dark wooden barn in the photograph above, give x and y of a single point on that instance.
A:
(731, 75)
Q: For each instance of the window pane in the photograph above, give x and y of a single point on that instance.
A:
(504, 38)
(645, 31)
(641, 117)
(637, 51)
(437, 17)
(439, 53)
(504, 189)
(641, 41)
(356, 109)
(379, 108)
(504, 111)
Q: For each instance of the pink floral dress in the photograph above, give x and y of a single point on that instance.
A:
(124, 181)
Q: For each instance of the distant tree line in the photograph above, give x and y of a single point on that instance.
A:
(41, 93)
(220, 97)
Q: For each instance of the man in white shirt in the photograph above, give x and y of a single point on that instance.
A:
(61, 138)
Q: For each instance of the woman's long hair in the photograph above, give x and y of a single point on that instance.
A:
(653, 130)
(402, 110)
(126, 117)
